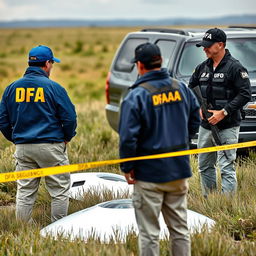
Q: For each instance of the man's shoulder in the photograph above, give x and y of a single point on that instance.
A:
(41, 80)
(54, 85)
(233, 62)
(200, 67)
(150, 86)
(203, 64)
(137, 92)
(136, 95)
(139, 87)
(236, 64)
(16, 82)
(13, 85)
(236, 68)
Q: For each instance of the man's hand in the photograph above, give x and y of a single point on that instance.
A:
(217, 116)
(130, 177)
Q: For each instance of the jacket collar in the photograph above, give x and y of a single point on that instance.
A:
(152, 75)
(224, 60)
(37, 71)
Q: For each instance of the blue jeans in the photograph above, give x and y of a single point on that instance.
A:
(207, 161)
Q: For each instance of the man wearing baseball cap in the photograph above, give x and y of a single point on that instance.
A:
(212, 36)
(225, 84)
(37, 115)
(158, 115)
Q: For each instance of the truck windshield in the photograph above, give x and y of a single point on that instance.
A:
(243, 49)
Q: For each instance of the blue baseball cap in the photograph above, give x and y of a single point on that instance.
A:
(41, 53)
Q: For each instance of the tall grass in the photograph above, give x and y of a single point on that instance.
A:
(82, 72)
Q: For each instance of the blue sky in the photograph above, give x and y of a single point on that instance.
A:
(131, 9)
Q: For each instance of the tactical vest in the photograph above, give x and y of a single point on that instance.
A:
(216, 86)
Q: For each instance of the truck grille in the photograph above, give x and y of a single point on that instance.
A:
(250, 113)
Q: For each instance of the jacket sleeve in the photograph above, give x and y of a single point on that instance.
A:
(5, 125)
(242, 88)
(194, 79)
(67, 114)
(129, 130)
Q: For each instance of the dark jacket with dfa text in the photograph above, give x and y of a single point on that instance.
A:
(158, 115)
(35, 109)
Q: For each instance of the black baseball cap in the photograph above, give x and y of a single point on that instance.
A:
(212, 36)
(147, 53)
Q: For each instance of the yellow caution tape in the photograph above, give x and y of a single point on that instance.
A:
(34, 173)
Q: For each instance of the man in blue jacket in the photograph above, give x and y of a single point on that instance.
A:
(37, 115)
(158, 115)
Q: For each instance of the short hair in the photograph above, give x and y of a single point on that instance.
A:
(153, 65)
(37, 64)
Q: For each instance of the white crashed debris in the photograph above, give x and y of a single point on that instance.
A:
(111, 220)
(96, 182)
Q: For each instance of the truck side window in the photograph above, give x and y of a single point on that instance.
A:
(167, 48)
(190, 58)
(126, 53)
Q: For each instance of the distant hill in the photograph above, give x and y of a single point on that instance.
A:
(225, 20)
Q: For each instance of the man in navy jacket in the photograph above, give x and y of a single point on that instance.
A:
(37, 115)
(158, 115)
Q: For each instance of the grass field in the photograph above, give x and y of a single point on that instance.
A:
(86, 55)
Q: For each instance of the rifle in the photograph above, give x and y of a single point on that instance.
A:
(204, 106)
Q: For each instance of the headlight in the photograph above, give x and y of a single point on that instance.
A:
(250, 106)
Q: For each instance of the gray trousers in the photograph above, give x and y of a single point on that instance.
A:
(170, 198)
(32, 156)
(207, 161)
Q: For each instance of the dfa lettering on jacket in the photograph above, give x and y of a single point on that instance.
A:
(166, 97)
(29, 95)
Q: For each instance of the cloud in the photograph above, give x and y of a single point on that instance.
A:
(158, 2)
(103, 1)
(17, 11)
(15, 3)
(2, 4)
(109, 9)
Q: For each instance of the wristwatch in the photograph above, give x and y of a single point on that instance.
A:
(225, 112)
